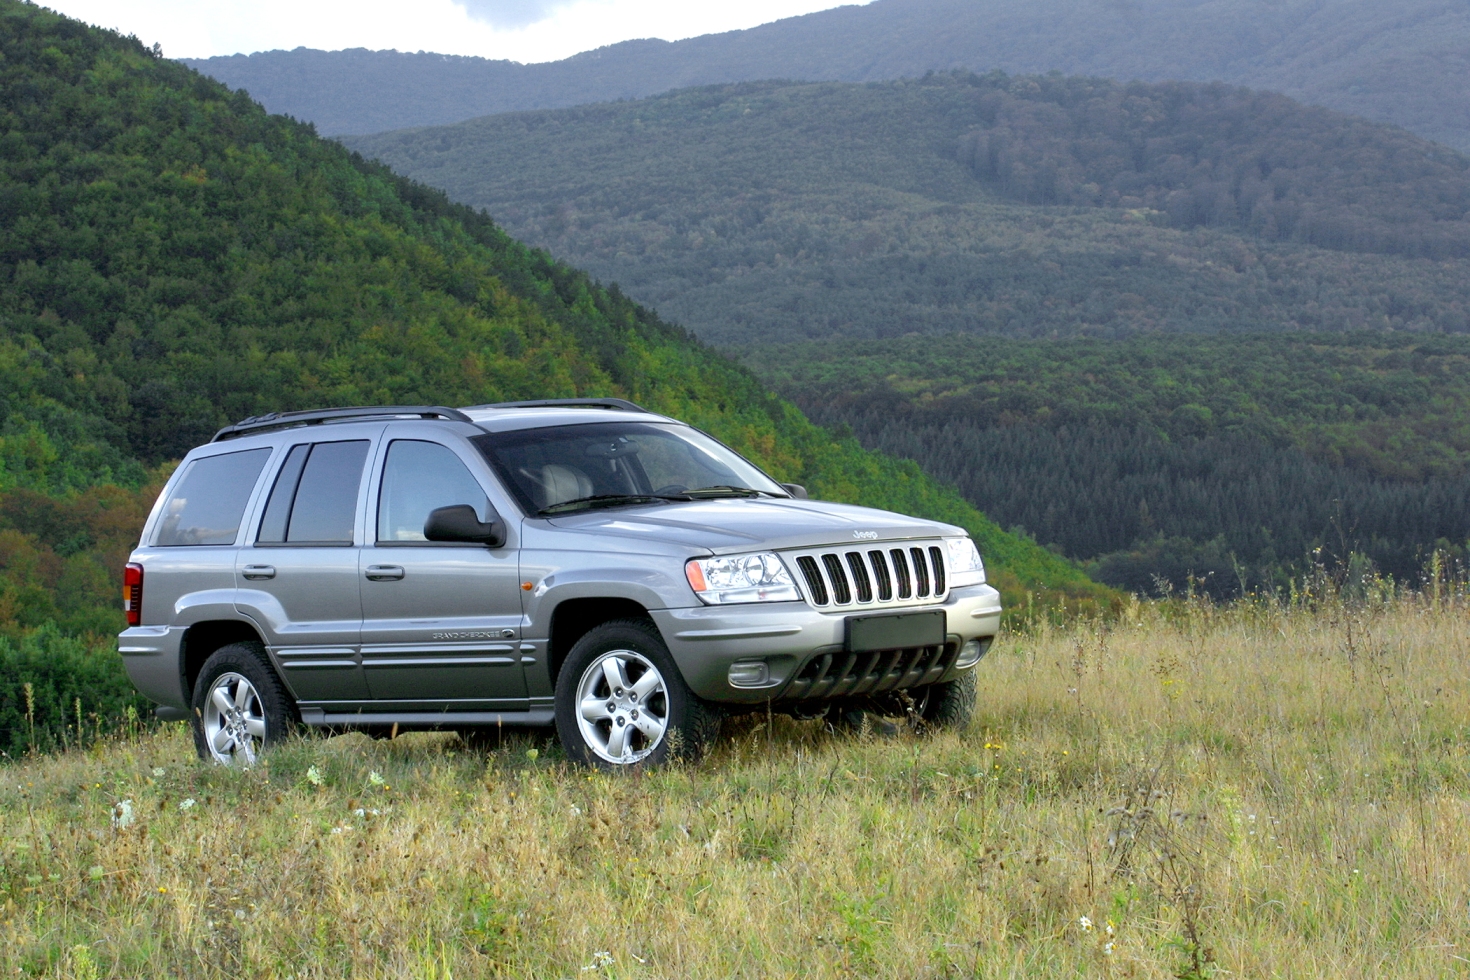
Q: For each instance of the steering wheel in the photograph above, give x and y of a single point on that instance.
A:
(672, 488)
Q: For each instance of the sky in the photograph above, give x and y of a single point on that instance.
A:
(519, 30)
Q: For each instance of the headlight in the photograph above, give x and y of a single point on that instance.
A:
(741, 578)
(965, 566)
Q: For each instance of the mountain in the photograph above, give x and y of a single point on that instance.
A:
(173, 258)
(1229, 459)
(1026, 206)
(1405, 62)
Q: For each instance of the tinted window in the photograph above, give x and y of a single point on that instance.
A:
(283, 494)
(208, 503)
(318, 487)
(418, 478)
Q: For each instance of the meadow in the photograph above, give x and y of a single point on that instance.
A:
(1269, 788)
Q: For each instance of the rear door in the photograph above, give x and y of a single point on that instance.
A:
(441, 621)
(298, 576)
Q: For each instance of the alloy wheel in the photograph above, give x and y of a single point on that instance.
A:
(234, 720)
(622, 707)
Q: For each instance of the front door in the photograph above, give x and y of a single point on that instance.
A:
(441, 621)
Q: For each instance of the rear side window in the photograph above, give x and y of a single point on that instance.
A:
(314, 500)
(419, 478)
(208, 504)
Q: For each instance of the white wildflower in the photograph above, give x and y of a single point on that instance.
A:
(601, 960)
(122, 815)
(314, 776)
(1107, 949)
(1085, 923)
(158, 772)
(376, 778)
(1109, 927)
(188, 804)
(575, 811)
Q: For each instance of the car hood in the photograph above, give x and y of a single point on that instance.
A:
(729, 526)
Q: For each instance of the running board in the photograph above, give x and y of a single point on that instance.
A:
(537, 718)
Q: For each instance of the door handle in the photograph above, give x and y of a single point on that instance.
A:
(259, 573)
(384, 573)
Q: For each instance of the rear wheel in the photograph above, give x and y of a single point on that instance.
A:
(240, 707)
(621, 701)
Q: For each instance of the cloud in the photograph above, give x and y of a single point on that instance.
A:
(511, 13)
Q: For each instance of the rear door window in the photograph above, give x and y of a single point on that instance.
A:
(314, 501)
(207, 505)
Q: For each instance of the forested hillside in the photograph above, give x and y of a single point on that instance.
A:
(1405, 62)
(173, 258)
(782, 210)
(1234, 459)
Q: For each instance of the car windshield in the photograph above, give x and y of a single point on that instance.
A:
(561, 469)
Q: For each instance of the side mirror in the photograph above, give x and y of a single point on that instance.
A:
(460, 523)
(795, 489)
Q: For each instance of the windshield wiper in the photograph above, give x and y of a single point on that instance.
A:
(609, 500)
(727, 492)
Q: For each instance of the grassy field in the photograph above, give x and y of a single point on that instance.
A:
(1261, 790)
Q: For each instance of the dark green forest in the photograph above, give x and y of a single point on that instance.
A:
(1404, 62)
(172, 258)
(1219, 157)
(1239, 461)
(779, 210)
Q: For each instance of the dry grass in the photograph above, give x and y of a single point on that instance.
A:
(1252, 791)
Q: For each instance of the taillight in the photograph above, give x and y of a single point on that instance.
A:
(133, 593)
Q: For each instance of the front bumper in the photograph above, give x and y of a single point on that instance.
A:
(788, 636)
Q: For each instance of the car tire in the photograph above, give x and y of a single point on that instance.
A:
(950, 704)
(240, 707)
(621, 701)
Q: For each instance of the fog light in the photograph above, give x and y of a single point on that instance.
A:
(972, 651)
(753, 673)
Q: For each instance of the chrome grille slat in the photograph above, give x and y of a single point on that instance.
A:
(901, 570)
(813, 576)
(861, 583)
(837, 579)
(880, 573)
(921, 573)
(936, 562)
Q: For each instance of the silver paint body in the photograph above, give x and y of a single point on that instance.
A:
(456, 634)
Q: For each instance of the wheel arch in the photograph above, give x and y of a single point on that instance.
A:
(573, 619)
(202, 639)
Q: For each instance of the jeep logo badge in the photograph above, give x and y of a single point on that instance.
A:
(865, 535)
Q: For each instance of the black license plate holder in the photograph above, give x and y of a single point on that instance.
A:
(895, 631)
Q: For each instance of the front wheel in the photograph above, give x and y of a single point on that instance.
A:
(951, 704)
(621, 701)
(240, 707)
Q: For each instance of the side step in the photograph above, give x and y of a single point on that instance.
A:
(536, 718)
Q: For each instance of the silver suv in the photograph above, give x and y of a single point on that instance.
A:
(582, 563)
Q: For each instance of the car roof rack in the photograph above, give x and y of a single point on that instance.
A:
(613, 404)
(283, 420)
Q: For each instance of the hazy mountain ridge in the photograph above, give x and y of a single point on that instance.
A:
(1407, 63)
(781, 210)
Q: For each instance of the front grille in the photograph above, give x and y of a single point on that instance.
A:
(835, 675)
(874, 578)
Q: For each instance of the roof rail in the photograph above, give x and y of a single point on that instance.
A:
(283, 420)
(614, 404)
